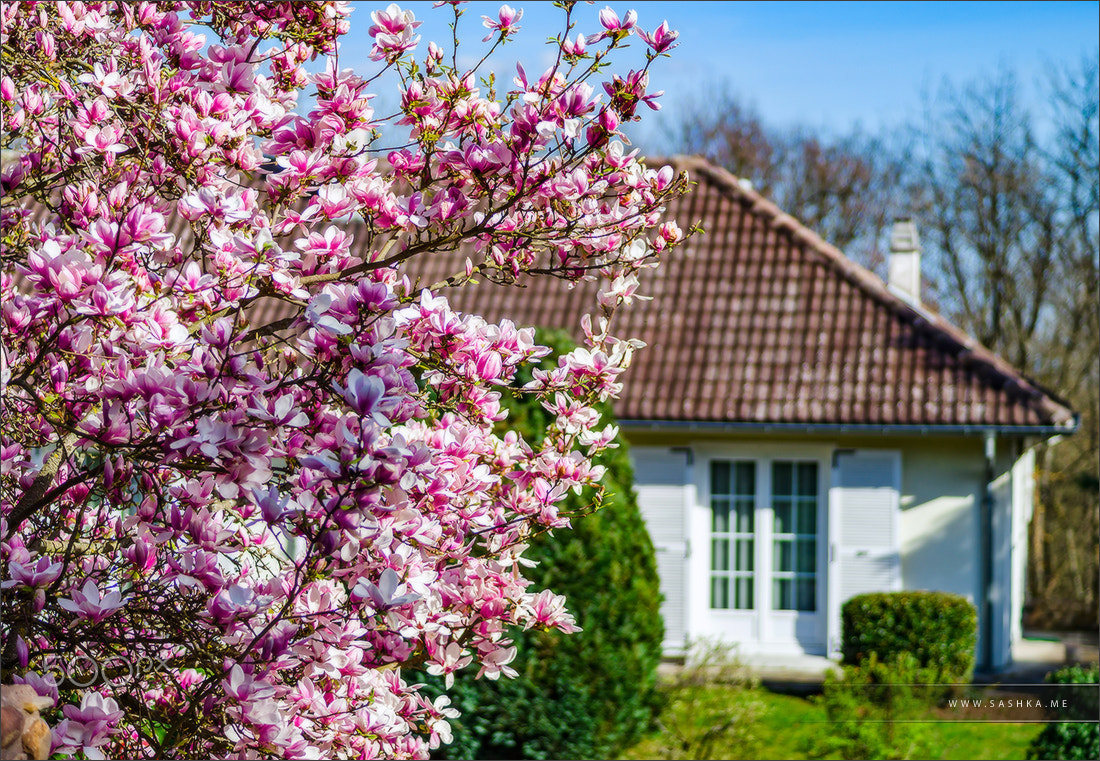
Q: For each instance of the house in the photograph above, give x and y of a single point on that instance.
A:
(803, 432)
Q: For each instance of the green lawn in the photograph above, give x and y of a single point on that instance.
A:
(784, 726)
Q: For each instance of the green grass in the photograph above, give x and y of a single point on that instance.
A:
(787, 724)
(993, 741)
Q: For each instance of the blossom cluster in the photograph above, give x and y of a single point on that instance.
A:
(287, 512)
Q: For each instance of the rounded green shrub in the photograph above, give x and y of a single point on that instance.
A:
(1080, 739)
(589, 694)
(939, 629)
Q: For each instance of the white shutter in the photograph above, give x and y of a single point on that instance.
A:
(661, 477)
(864, 529)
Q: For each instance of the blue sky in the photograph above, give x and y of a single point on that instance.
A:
(827, 65)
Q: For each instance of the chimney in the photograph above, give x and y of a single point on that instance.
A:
(905, 261)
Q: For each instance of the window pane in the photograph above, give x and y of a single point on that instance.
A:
(782, 557)
(807, 479)
(782, 510)
(743, 593)
(746, 479)
(733, 524)
(781, 591)
(745, 511)
(720, 555)
(743, 560)
(807, 555)
(782, 476)
(720, 515)
(719, 592)
(720, 478)
(807, 518)
(807, 594)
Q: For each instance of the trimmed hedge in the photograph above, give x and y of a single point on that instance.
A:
(586, 695)
(939, 629)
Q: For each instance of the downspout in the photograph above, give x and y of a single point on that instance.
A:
(985, 659)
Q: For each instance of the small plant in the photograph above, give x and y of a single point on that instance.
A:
(712, 706)
(1077, 740)
(871, 708)
(938, 629)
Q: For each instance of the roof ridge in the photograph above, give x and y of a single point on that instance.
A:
(866, 280)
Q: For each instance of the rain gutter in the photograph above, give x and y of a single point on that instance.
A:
(985, 517)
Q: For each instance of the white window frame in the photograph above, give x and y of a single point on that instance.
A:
(763, 624)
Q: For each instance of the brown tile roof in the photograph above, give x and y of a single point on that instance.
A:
(759, 322)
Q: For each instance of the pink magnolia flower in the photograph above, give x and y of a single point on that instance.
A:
(244, 687)
(106, 139)
(574, 47)
(366, 394)
(207, 201)
(615, 27)
(441, 728)
(238, 77)
(383, 596)
(316, 315)
(86, 729)
(283, 412)
(451, 659)
(662, 40)
(273, 506)
(548, 609)
(89, 603)
(108, 82)
(142, 553)
(41, 574)
(507, 25)
(392, 32)
(610, 20)
(495, 663)
(627, 93)
(392, 20)
(44, 684)
(236, 602)
(335, 201)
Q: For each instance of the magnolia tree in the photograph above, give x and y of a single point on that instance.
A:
(224, 536)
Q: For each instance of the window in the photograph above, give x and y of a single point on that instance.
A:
(786, 529)
(794, 536)
(733, 534)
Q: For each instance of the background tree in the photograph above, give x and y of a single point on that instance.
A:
(844, 187)
(590, 694)
(250, 472)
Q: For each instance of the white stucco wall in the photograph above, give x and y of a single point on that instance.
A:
(942, 485)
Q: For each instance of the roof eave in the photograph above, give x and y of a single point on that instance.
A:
(718, 426)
